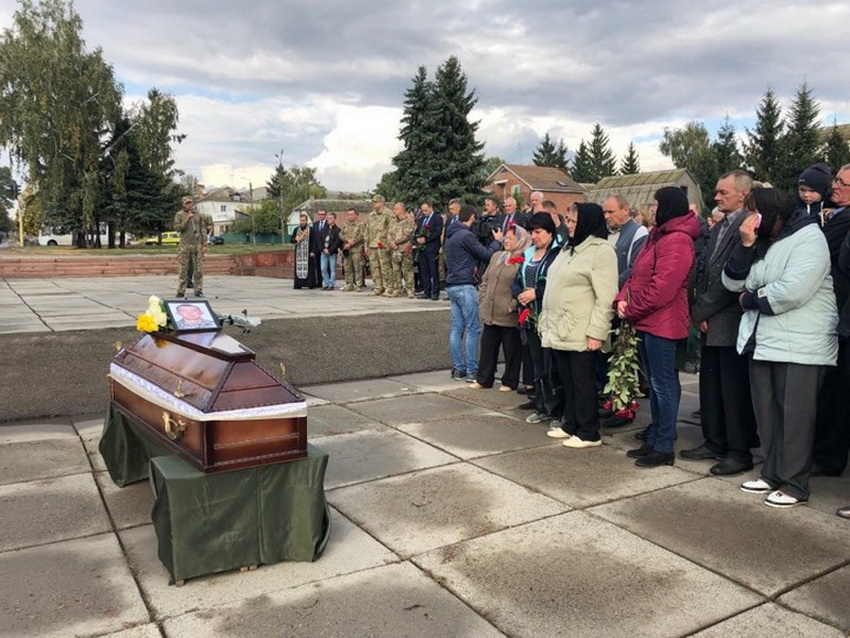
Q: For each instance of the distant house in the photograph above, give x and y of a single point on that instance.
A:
(224, 205)
(510, 180)
(639, 188)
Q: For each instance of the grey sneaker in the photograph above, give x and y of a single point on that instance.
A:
(536, 417)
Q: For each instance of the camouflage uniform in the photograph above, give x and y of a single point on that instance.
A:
(352, 258)
(379, 258)
(193, 242)
(401, 261)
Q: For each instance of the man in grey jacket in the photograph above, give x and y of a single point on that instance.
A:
(728, 422)
(624, 233)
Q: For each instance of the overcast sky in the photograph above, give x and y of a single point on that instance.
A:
(324, 80)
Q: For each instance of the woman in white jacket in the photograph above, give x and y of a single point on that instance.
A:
(788, 329)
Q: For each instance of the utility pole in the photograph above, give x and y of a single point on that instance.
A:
(283, 225)
(253, 219)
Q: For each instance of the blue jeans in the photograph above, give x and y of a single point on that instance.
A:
(659, 358)
(464, 300)
(328, 270)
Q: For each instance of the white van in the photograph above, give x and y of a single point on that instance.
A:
(60, 236)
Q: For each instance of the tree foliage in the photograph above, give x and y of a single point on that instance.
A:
(801, 144)
(836, 149)
(726, 152)
(602, 161)
(763, 150)
(296, 185)
(631, 162)
(263, 219)
(582, 170)
(548, 153)
(690, 147)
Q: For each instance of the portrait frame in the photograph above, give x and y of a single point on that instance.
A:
(208, 322)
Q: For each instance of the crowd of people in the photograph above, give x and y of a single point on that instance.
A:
(764, 281)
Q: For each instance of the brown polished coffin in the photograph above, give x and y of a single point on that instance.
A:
(203, 395)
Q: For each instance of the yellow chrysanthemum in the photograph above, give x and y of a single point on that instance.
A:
(146, 323)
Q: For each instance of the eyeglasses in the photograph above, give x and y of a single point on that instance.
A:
(838, 180)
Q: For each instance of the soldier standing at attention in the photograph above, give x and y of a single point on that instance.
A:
(400, 236)
(376, 232)
(353, 235)
(193, 228)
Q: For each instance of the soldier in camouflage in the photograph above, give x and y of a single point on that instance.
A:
(353, 236)
(400, 236)
(193, 228)
(376, 233)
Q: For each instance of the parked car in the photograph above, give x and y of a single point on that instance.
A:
(216, 240)
(171, 238)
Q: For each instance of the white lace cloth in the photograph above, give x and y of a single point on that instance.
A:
(168, 401)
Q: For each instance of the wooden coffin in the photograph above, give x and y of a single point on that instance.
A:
(204, 396)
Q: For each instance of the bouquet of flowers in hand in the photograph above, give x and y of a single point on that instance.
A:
(623, 388)
(424, 233)
(154, 318)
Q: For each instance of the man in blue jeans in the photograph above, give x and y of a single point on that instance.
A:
(463, 254)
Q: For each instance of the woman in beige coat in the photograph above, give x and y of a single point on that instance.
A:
(499, 314)
(576, 318)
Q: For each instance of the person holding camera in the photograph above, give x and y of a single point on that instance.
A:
(463, 254)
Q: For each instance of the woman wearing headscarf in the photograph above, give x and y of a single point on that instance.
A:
(654, 300)
(781, 270)
(529, 288)
(576, 319)
(498, 311)
(305, 268)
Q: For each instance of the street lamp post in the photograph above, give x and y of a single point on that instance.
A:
(283, 225)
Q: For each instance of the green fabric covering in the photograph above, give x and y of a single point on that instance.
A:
(125, 449)
(218, 522)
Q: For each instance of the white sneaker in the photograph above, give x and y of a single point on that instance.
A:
(558, 433)
(536, 417)
(576, 442)
(757, 486)
(782, 500)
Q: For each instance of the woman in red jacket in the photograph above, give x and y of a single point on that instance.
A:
(655, 301)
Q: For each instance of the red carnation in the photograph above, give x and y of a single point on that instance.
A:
(524, 315)
(517, 259)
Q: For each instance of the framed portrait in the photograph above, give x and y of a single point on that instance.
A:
(191, 315)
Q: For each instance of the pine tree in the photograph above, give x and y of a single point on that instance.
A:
(801, 143)
(763, 149)
(583, 165)
(836, 150)
(631, 162)
(602, 162)
(550, 154)
(725, 147)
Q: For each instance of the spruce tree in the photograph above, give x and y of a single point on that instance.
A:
(801, 143)
(583, 165)
(550, 154)
(415, 163)
(602, 162)
(631, 162)
(836, 150)
(725, 147)
(763, 150)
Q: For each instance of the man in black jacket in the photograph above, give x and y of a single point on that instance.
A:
(318, 233)
(463, 253)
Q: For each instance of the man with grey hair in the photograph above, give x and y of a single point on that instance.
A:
(728, 422)
(624, 233)
(511, 217)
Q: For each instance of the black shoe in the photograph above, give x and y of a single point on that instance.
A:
(656, 459)
(522, 389)
(730, 466)
(198, 293)
(458, 374)
(641, 435)
(616, 422)
(700, 453)
(637, 453)
(180, 295)
(528, 405)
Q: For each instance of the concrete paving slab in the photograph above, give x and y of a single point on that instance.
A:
(42, 459)
(434, 381)
(581, 478)
(490, 398)
(349, 550)
(830, 493)
(45, 430)
(767, 549)
(89, 426)
(33, 325)
(770, 621)
(142, 631)
(57, 325)
(421, 511)
(579, 576)
(425, 407)
(373, 454)
(129, 506)
(394, 601)
(329, 420)
(75, 588)
(825, 598)
(471, 436)
(357, 390)
(52, 510)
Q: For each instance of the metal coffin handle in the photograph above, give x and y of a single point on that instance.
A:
(173, 429)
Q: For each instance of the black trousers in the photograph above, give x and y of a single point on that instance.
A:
(578, 376)
(317, 264)
(728, 421)
(492, 338)
(527, 366)
(832, 431)
(785, 403)
(429, 274)
(548, 391)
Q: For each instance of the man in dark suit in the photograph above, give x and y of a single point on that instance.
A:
(429, 230)
(511, 217)
(728, 422)
(318, 233)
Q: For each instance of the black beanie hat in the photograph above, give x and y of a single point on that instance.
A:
(589, 221)
(672, 202)
(818, 177)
